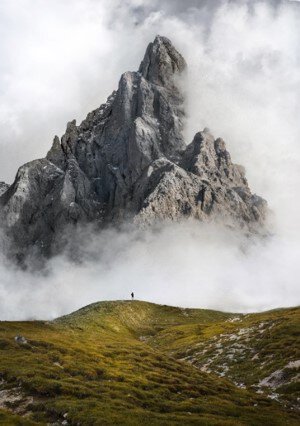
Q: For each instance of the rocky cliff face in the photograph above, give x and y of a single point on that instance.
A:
(3, 187)
(128, 161)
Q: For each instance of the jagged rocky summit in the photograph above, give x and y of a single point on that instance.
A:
(3, 187)
(128, 161)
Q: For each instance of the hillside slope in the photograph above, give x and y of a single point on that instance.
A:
(134, 362)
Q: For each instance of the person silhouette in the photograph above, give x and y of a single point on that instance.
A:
(132, 295)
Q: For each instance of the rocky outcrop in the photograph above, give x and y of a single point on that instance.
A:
(204, 185)
(3, 188)
(128, 161)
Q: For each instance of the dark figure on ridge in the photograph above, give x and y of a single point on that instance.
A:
(132, 295)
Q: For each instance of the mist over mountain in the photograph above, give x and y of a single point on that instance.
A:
(128, 161)
(149, 212)
(242, 82)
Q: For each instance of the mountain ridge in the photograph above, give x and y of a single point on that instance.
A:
(128, 161)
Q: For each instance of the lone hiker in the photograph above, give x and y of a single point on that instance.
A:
(132, 295)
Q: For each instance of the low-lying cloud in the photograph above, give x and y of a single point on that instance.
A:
(188, 264)
(243, 83)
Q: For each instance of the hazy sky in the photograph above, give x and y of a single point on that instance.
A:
(62, 58)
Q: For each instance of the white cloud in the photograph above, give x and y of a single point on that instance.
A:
(60, 59)
(188, 264)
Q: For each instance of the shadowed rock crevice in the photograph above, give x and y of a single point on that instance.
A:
(128, 161)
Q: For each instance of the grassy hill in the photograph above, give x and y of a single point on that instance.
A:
(133, 363)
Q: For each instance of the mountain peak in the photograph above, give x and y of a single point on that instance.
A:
(128, 161)
(3, 187)
(161, 62)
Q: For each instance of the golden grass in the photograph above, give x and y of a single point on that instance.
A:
(116, 363)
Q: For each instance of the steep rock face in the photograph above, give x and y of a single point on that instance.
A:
(205, 185)
(3, 188)
(128, 161)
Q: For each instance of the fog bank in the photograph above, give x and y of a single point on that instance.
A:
(187, 264)
(61, 59)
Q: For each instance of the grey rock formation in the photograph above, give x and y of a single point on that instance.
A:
(21, 340)
(128, 161)
(3, 188)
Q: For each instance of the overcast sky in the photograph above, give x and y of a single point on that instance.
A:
(62, 58)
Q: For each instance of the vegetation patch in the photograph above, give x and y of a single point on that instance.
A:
(118, 363)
